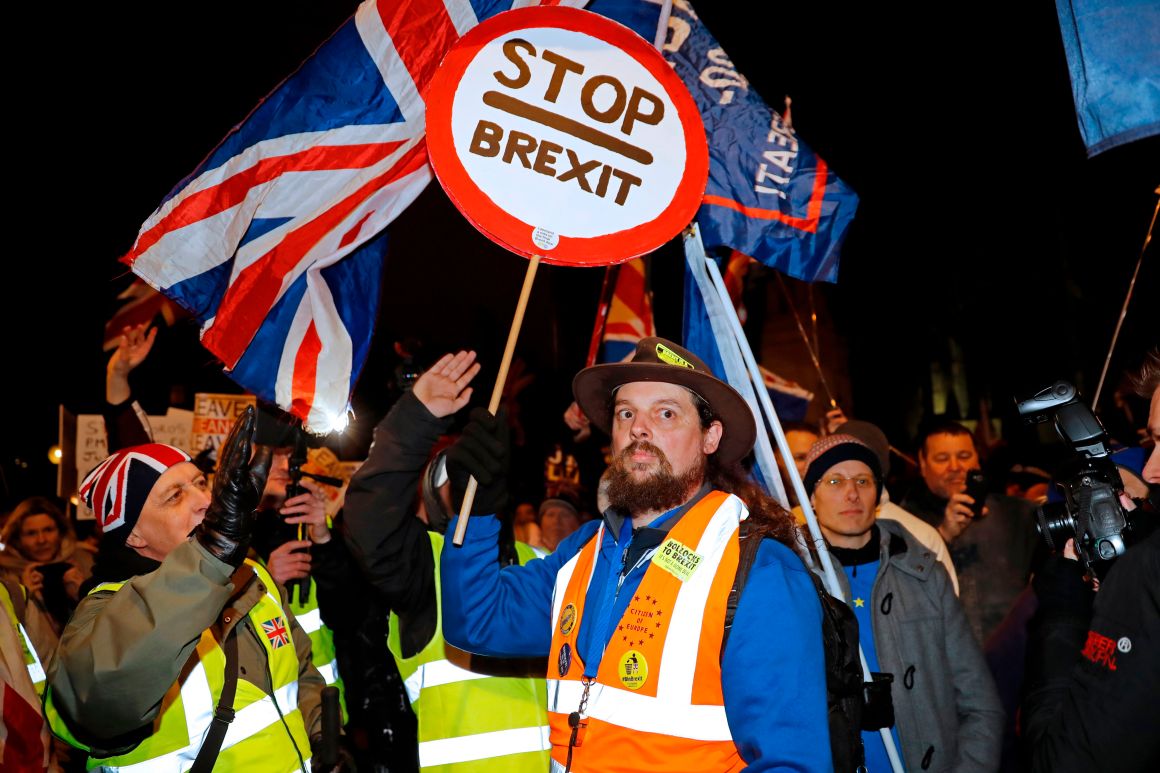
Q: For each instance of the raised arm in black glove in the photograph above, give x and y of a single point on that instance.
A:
(483, 451)
(237, 489)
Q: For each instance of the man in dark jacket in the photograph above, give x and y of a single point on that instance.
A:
(462, 702)
(1093, 662)
(991, 543)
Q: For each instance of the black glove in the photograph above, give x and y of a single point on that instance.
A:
(483, 451)
(345, 764)
(237, 488)
(1061, 589)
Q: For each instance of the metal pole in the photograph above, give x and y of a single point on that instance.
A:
(1124, 308)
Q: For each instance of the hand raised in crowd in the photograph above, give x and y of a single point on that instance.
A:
(229, 521)
(133, 347)
(308, 508)
(33, 580)
(290, 561)
(72, 580)
(957, 516)
(443, 388)
(577, 422)
(834, 419)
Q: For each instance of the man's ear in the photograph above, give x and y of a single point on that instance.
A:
(712, 438)
(135, 541)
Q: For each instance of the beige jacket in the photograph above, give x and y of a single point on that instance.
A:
(123, 650)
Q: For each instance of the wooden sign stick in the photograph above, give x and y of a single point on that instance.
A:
(497, 390)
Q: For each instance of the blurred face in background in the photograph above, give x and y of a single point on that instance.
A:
(556, 523)
(1152, 466)
(799, 442)
(39, 537)
(944, 461)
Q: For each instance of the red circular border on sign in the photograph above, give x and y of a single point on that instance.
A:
(509, 231)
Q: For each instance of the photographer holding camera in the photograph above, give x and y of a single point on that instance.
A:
(1093, 665)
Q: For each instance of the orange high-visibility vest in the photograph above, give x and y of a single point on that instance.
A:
(656, 703)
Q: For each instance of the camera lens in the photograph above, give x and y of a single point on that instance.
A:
(1055, 524)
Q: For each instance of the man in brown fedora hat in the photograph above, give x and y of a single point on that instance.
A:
(632, 609)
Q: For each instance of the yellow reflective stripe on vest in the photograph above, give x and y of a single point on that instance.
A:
(31, 658)
(258, 733)
(467, 748)
(310, 620)
(435, 674)
(449, 737)
(633, 711)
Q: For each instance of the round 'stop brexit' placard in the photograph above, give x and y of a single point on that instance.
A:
(560, 133)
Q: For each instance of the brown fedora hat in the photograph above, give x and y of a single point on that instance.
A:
(657, 359)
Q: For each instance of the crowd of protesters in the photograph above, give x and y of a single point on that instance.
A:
(540, 643)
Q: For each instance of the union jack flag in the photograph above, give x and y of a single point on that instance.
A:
(790, 399)
(274, 243)
(275, 630)
(630, 316)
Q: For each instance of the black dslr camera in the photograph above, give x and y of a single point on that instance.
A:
(1091, 512)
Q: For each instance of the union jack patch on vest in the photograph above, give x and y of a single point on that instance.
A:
(276, 632)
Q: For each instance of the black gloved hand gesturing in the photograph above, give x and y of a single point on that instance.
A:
(483, 451)
(237, 488)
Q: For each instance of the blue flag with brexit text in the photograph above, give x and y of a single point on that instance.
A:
(769, 195)
(275, 243)
(1113, 54)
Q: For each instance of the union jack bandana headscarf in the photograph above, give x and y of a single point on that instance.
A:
(116, 489)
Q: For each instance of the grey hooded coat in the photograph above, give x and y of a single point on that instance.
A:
(946, 708)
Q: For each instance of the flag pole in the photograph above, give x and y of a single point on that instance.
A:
(1124, 308)
(806, 340)
(831, 577)
(497, 390)
(735, 371)
(606, 290)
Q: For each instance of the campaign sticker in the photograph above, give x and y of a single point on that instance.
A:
(633, 670)
(667, 355)
(564, 662)
(678, 560)
(567, 619)
(545, 239)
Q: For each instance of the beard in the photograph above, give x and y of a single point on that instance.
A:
(659, 492)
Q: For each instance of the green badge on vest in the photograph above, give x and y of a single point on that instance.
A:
(678, 560)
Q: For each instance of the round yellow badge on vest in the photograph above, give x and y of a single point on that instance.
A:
(567, 619)
(633, 670)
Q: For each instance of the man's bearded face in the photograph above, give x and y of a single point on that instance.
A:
(637, 487)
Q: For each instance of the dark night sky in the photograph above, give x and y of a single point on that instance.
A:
(980, 216)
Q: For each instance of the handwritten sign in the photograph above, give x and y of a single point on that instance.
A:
(560, 133)
(213, 416)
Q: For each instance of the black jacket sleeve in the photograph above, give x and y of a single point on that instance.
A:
(123, 426)
(389, 544)
(1093, 673)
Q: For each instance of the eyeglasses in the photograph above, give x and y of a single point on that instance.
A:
(837, 482)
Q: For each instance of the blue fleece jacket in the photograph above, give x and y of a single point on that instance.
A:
(773, 671)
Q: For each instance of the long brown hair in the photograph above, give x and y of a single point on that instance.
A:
(28, 508)
(767, 518)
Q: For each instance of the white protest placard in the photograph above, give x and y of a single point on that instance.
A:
(560, 133)
(213, 417)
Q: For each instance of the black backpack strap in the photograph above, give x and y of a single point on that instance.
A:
(223, 715)
(749, 547)
(843, 667)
